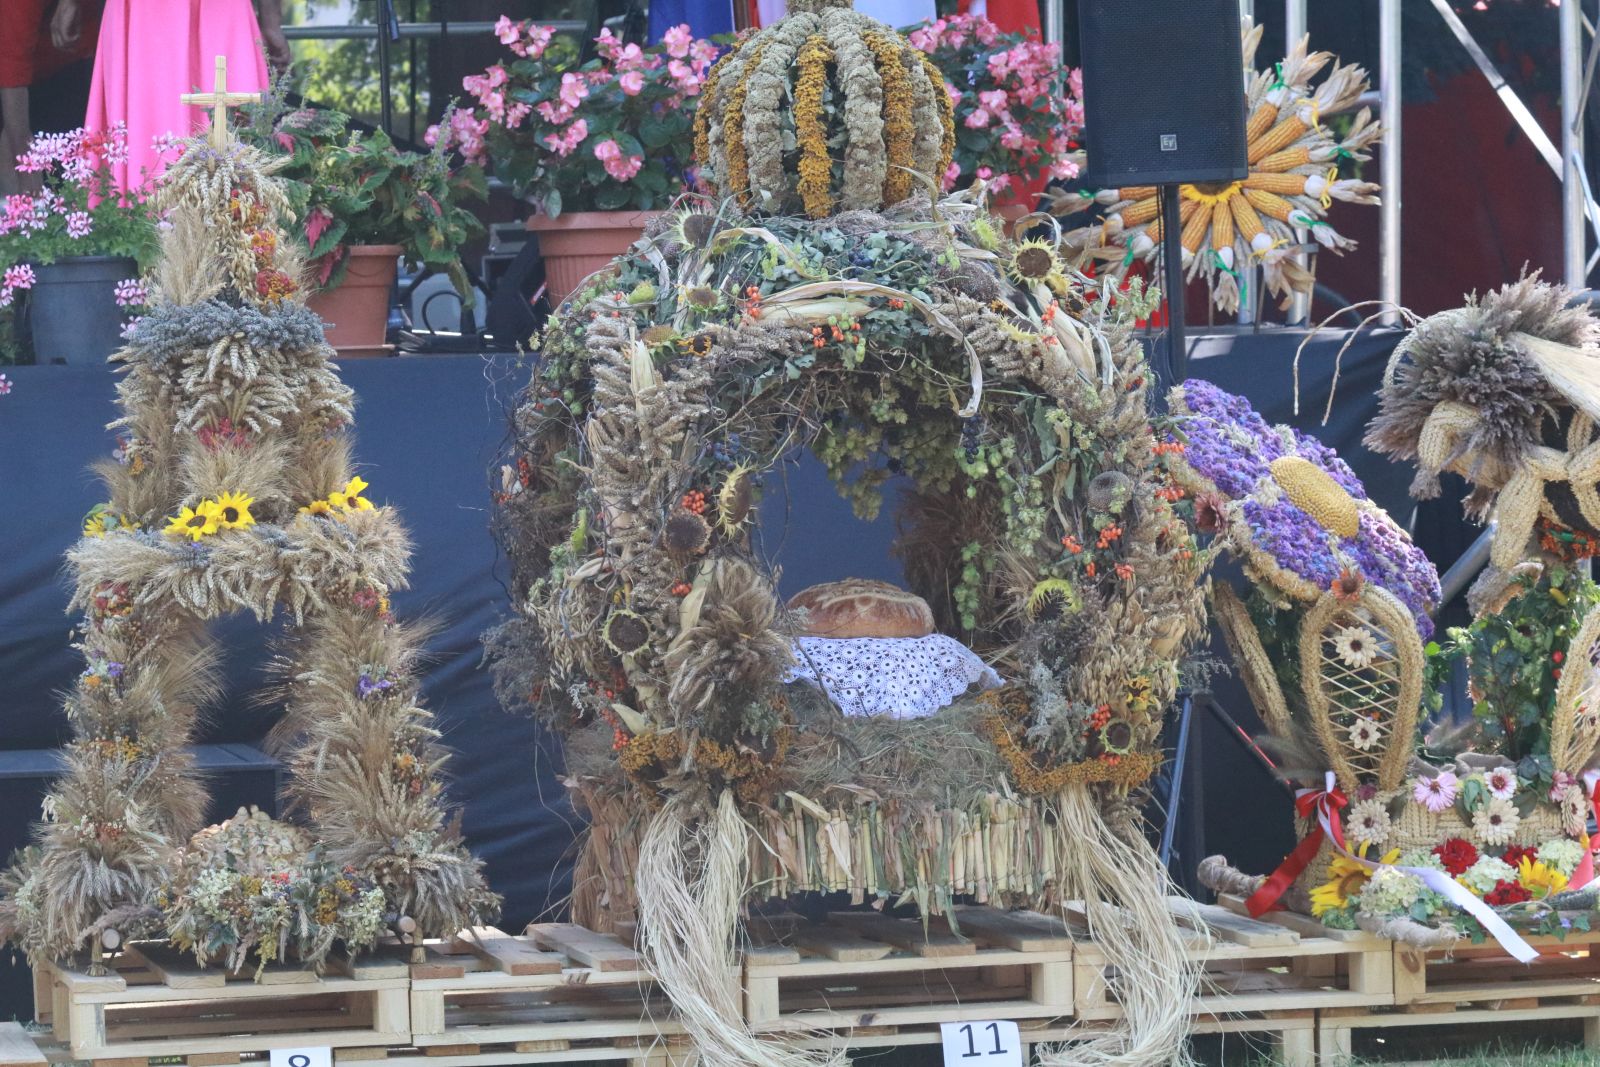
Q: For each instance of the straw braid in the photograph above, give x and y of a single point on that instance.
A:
(1572, 743)
(1255, 667)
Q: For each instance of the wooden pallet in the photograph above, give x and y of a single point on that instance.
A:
(1484, 1021)
(861, 970)
(1279, 963)
(156, 1002)
(558, 993)
(1469, 974)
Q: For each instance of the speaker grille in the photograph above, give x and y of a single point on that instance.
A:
(1163, 91)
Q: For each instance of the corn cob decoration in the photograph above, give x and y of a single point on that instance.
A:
(1294, 178)
(838, 72)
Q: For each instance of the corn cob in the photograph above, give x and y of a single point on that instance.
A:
(1282, 184)
(1279, 137)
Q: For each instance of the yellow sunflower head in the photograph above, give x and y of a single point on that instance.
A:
(351, 498)
(317, 507)
(233, 511)
(1540, 879)
(196, 522)
(1034, 260)
(1052, 598)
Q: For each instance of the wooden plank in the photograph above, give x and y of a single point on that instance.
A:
(585, 946)
(211, 1059)
(515, 955)
(17, 1049)
(177, 970)
(437, 965)
(370, 966)
(934, 942)
(1226, 925)
(844, 946)
(1304, 925)
(1016, 930)
(549, 1045)
(770, 956)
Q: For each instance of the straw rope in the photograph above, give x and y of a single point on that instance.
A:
(1255, 666)
(1573, 738)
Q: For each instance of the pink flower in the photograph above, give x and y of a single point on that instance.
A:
(79, 224)
(994, 99)
(515, 114)
(677, 41)
(1559, 784)
(509, 32)
(1502, 782)
(1063, 169)
(1436, 794)
(703, 54)
(607, 46)
(985, 173)
(631, 82)
(5, 385)
(564, 143)
(539, 38)
(684, 77)
(574, 87)
(951, 173)
(977, 120)
(131, 292)
(554, 114)
(16, 277)
(620, 167)
(163, 143)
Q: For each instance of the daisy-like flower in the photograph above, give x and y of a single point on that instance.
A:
(1364, 733)
(1574, 811)
(196, 522)
(1501, 782)
(233, 511)
(1495, 821)
(1560, 782)
(1369, 823)
(1355, 646)
(1437, 793)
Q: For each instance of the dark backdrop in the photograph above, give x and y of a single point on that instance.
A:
(429, 432)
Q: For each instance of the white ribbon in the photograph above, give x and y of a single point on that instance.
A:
(1453, 891)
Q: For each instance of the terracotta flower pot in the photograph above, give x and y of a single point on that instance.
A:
(576, 244)
(357, 312)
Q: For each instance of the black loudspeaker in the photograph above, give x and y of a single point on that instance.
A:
(1163, 91)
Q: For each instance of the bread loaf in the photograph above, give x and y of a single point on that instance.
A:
(861, 607)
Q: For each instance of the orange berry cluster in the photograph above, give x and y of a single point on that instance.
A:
(695, 500)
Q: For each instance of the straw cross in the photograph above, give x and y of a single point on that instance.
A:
(219, 100)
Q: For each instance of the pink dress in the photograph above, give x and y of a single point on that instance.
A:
(151, 52)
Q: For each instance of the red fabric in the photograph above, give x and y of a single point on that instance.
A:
(1012, 16)
(1308, 803)
(27, 55)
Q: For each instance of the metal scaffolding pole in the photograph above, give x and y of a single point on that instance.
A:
(1573, 265)
(1389, 175)
(1294, 28)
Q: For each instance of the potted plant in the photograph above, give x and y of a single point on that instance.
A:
(597, 148)
(362, 205)
(1018, 108)
(72, 244)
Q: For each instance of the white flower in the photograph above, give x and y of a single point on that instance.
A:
(1501, 782)
(1355, 646)
(1369, 823)
(1495, 821)
(1563, 854)
(1487, 873)
(1364, 733)
(1574, 811)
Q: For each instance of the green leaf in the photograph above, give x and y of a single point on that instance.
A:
(552, 203)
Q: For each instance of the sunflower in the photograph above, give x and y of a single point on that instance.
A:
(349, 498)
(694, 229)
(196, 522)
(1034, 260)
(317, 507)
(98, 521)
(735, 499)
(233, 511)
(1051, 599)
(697, 345)
(626, 632)
(1540, 878)
(1346, 877)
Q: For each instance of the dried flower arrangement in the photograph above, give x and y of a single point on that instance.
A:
(232, 491)
(1428, 838)
(1043, 528)
(1295, 161)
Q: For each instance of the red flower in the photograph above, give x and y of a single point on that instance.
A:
(1456, 855)
(1506, 893)
(1514, 855)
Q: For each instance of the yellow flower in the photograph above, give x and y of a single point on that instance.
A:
(97, 522)
(196, 522)
(350, 498)
(1346, 877)
(317, 507)
(1540, 879)
(233, 511)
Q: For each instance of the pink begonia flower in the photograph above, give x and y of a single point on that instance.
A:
(977, 119)
(1063, 170)
(926, 39)
(607, 45)
(703, 53)
(631, 82)
(564, 143)
(494, 102)
(994, 99)
(985, 173)
(620, 167)
(574, 88)
(953, 93)
(985, 31)
(509, 32)
(999, 184)
(1436, 794)
(1015, 139)
(554, 114)
(515, 114)
(951, 173)
(677, 41)
(684, 77)
(539, 38)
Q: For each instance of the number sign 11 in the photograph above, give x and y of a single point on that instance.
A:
(981, 1044)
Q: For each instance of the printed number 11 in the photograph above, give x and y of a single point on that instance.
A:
(972, 1049)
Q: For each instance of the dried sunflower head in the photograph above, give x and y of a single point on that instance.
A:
(1033, 260)
(1117, 737)
(701, 296)
(699, 344)
(1051, 599)
(660, 334)
(735, 498)
(1107, 489)
(625, 632)
(686, 533)
(694, 229)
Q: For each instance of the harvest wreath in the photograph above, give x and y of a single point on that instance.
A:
(728, 747)
(1427, 835)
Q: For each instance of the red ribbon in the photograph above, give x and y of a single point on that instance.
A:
(1321, 806)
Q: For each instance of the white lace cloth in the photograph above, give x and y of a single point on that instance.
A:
(902, 677)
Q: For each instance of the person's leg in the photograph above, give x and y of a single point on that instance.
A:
(14, 131)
